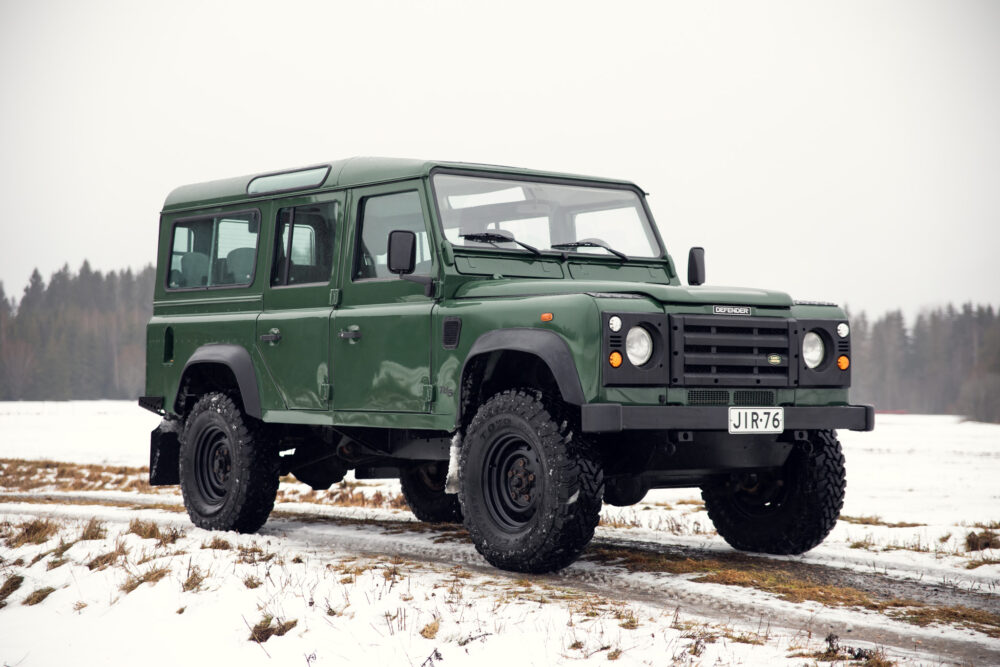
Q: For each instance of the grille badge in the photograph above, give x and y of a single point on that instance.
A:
(731, 310)
(774, 359)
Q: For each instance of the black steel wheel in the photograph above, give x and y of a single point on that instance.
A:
(529, 488)
(228, 469)
(423, 489)
(785, 511)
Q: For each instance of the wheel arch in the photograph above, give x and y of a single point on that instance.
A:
(540, 351)
(204, 367)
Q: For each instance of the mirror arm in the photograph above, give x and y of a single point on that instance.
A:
(426, 281)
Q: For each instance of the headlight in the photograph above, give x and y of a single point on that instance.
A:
(813, 349)
(638, 345)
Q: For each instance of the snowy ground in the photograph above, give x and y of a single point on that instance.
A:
(365, 583)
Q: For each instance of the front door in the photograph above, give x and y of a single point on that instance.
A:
(293, 332)
(381, 336)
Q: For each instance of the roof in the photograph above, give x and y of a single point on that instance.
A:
(342, 173)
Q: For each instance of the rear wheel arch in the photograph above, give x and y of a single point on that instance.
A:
(219, 367)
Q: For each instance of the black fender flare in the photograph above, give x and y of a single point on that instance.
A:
(546, 345)
(237, 359)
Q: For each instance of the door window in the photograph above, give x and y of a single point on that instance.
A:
(304, 250)
(380, 215)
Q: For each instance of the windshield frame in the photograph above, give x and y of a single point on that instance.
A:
(518, 252)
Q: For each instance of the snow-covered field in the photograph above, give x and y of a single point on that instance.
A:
(366, 584)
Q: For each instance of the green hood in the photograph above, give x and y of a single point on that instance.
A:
(741, 296)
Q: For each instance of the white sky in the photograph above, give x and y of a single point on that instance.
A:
(847, 151)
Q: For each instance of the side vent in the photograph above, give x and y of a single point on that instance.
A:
(451, 332)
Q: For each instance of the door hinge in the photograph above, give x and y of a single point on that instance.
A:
(326, 391)
(428, 394)
(334, 297)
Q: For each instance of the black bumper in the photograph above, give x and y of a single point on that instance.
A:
(614, 418)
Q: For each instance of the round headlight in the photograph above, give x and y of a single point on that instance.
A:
(615, 323)
(638, 346)
(843, 329)
(813, 349)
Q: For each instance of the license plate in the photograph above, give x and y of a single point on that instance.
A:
(756, 420)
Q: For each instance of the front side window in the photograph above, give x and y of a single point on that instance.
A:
(216, 251)
(304, 250)
(544, 215)
(380, 215)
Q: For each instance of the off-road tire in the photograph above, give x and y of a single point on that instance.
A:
(423, 489)
(228, 468)
(790, 512)
(514, 445)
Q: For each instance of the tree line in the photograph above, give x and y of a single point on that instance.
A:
(82, 336)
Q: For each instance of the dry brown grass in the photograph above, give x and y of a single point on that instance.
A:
(119, 553)
(877, 521)
(194, 579)
(38, 596)
(253, 554)
(987, 539)
(979, 562)
(35, 531)
(10, 586)
(24, 475)
(40, 499)
(151, 576)
(251, 581)
(217, 543)
(430, 630)
(149, 530)
(266, 628)
(94, 530)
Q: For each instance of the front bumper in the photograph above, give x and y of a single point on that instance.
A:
(615, 418)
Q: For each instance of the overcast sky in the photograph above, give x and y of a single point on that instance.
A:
(844, 151)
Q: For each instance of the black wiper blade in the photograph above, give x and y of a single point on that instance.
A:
(499, 237)
(591, 244)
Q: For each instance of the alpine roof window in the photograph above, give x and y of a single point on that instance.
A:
(214, 251)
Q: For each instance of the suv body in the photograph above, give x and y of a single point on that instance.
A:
(515, 345)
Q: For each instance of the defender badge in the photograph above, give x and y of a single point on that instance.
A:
(731, 310)
(774, 359)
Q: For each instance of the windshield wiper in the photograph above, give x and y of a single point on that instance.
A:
(499, 236)
(592, 243)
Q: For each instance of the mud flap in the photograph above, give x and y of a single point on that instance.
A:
(164, 451)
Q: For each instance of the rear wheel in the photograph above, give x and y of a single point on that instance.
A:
(787, 511)
(228, 469)
(530, 490)
(423, 488)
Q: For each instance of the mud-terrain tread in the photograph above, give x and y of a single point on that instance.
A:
(427, 504)
(255, 463)
(805, 519)
(574, 468)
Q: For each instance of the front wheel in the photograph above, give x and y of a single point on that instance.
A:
(228, 469)
(786, 511)
(530, 489)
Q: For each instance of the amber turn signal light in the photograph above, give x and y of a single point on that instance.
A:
(546, 317)
(843, 363)
(615, 359)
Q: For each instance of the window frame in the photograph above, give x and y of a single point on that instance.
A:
(277, 237)
(256, 216)
(359, 233)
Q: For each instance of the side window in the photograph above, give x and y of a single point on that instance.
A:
(304, 251)
(214, 251)
(380, 215)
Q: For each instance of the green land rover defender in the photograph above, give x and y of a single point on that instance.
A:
(515, 346)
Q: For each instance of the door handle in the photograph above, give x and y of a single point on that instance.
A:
(272, 337)
(353, 334)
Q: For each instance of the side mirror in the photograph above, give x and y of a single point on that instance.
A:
(402, 251)
(696, 266)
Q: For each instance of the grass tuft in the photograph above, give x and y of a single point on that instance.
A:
(12, 583)
(980, 541)
(94, 530)
(149, 530)
(251, 581)
(152, 575)
(194, 579)
(266, 628)
(430, 630)
(218, 544)
(36, 531)
(877, 521)
(110, 558)
(38, 596)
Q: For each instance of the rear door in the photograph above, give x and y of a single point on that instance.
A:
(381, 342)
(293, 331)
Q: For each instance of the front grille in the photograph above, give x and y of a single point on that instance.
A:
(732, 351)
(708, 397)
(756, 397)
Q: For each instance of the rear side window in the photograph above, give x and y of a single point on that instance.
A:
(380, 215)
(216, 251)
(304, 250)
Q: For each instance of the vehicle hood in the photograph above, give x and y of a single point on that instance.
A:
(739, 296)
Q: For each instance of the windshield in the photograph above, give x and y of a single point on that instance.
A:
(477, 212)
